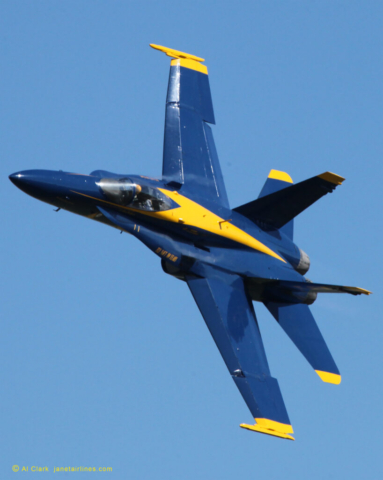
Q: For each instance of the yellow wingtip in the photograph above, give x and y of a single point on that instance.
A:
(170, 52)
(266, 431)
(332, 178)
(270, 427)
(278, 175)
(329, 377)
(183, 59)
(273, 425)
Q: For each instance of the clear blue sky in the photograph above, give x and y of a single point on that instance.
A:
(105, 360)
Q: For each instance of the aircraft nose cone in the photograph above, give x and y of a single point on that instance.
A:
(40, 184)
(16, 178)
(25, 180)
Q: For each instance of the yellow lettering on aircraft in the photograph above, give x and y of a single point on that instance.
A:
(164, 253)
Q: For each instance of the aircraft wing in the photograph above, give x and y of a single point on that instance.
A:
(190, 160)
(229, 314)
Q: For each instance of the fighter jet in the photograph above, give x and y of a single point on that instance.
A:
(227, 257)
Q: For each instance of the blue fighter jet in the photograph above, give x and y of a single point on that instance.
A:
(227, 257)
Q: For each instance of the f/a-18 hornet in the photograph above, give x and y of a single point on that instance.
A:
(227, 257)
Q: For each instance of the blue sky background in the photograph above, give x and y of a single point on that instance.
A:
(106, 360)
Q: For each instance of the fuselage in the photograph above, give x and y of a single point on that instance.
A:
(186, 234)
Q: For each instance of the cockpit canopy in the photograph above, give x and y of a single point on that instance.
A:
(125, 192)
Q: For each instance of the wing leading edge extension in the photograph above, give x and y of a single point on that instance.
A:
(190, 159)
(230, 317)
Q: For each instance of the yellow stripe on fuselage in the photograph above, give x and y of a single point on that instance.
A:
(195, 215)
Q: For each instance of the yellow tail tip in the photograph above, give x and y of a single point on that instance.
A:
(329, 377)
(283, 176)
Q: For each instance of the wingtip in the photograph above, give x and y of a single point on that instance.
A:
(270, 427)
(266, 431)
(170, 52)
(182, 59)
(328, 377)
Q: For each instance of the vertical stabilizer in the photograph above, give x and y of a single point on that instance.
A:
(277, 181)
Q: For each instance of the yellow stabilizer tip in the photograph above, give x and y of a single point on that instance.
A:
(358, 290)
(332, 178)
(197, 216)
(176, 53)
(329, 377)
(266, 431)
(283, 176)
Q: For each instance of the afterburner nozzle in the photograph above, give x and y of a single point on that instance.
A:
(304, 263)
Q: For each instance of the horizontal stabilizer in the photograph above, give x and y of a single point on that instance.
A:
(275, 181)
(280, 207)
(292, 291)
(306, 287)
(299, 324)
(278, 181)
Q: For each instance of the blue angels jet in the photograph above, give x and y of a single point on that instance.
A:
(227, 257)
